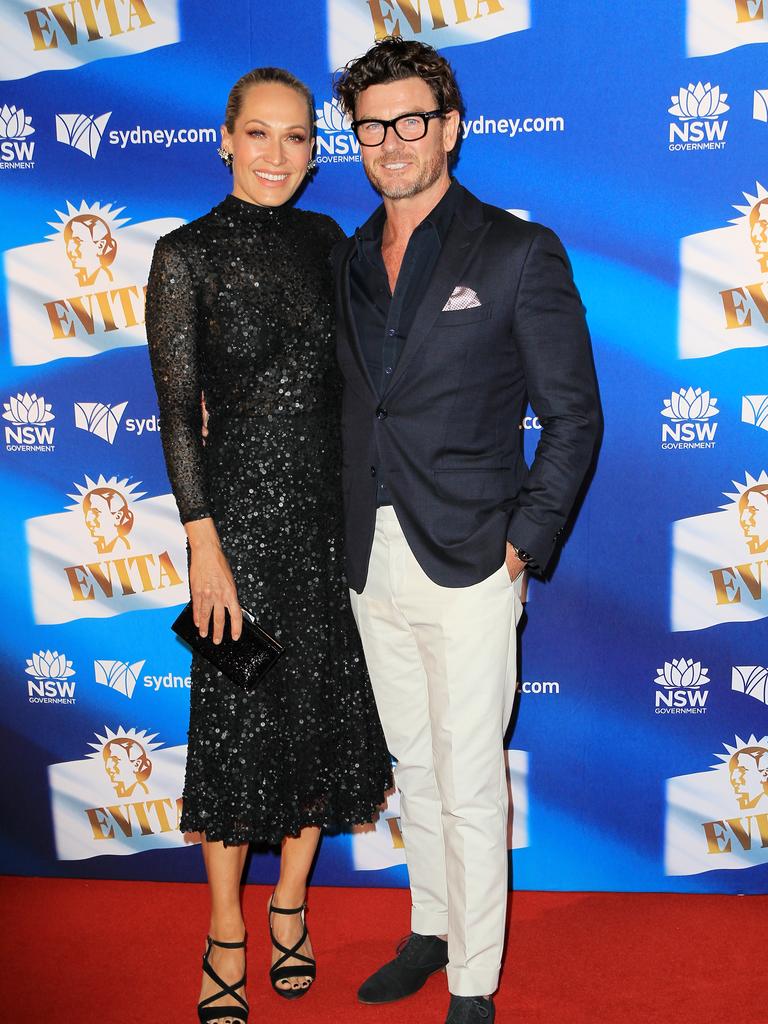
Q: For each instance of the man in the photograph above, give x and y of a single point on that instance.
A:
(451, 312)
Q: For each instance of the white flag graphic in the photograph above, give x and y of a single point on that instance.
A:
(66, 35)
(354, 25)
(713, 26)
(67, 301)
(90, 819)
(76, 573)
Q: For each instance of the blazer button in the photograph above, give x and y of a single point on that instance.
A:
(373, 471)
(381, 413)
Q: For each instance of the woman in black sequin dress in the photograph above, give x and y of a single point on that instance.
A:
(239, 308)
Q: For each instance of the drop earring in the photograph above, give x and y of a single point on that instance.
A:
(312, 165)
(226, 156)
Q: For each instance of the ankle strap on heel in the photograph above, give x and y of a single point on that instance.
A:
(280, 910)
(226, 945)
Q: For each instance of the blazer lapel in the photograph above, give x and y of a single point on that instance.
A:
(464, 236)
(348, 321)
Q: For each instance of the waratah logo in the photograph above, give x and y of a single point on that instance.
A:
(754, 410)
(690, 404)
(27, 410)
(101, 420)
(331, 118)
(118, 675)
(752, 680)
(682, 673)
(14, 124)
(49, 665)
(82, 131)
(702, 101)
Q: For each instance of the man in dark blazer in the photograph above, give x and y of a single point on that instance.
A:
(452, 316)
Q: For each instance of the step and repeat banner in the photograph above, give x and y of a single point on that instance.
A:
(639, 132)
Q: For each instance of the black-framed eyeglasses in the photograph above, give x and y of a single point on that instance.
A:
(371, 131)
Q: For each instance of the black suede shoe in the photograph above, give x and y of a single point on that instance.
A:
(470, 1010)
(417, 957)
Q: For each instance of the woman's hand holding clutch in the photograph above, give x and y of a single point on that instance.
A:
(210, 582)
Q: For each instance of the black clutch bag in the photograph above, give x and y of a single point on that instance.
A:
(245, 661)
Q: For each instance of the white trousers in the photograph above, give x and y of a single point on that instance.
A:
(442, 662)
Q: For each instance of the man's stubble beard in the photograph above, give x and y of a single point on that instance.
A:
(430, 173)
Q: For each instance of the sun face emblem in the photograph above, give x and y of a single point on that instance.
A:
(107, 513)
(89, 239)
(756, 216)
(751, 504)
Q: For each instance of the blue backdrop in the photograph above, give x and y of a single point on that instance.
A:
(638, 132)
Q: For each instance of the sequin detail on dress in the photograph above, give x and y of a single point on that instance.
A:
(239, 306)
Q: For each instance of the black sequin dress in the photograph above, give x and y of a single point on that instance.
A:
(239, 307)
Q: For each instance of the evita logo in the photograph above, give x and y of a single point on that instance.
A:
(29, 416)
(51, 681)
(720, 562)
(719, 818)
(698, 108)
(336, 142)
(82, 290)
(124, 796)
(682, 690)
(114, 550)
(17, 150)
(724, 283)
(689, 413)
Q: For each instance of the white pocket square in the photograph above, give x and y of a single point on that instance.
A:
(462, 297)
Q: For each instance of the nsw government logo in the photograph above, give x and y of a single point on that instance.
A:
(82, 131)
(698, 109)
(17, 150)
(123, 797)
(29, 417)
(336, 142)
(724, 283)
(51, 681)
(720, 560)
(689, 414)
(719, 818)
(682, 683)
(114, 550)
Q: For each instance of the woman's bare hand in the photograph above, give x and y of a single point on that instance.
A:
(211, 584)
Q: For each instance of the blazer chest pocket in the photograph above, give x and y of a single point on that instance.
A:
(463, 317)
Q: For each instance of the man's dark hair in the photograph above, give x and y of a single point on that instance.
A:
(392, 59)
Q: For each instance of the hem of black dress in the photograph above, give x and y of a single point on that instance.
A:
(332, 823)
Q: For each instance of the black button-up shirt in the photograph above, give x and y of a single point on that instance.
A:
(383, 318)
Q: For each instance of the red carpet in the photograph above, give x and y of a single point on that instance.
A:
(80, 952)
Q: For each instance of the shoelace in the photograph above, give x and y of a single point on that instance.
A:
(409, 947)
(482, 1006)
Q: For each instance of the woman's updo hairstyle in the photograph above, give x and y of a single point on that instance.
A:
(260, 76)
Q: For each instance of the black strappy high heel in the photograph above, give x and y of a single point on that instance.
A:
(278, 971)
(224, 1013)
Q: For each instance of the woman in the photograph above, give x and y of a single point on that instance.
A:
(239, 308)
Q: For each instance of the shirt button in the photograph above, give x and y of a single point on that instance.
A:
(391, 332)
(388, 370)
(373, 471)
(381, 414)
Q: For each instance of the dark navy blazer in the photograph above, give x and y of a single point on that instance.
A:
(446, 430)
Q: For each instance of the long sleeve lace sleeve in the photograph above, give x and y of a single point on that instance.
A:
(172, 326)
